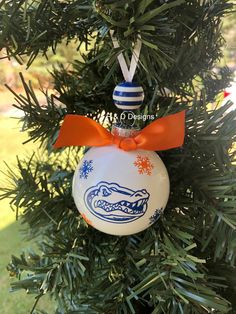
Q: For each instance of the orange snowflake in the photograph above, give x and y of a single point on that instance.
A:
(89, 222)
(144, 165)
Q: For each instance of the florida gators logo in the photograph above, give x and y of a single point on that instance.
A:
(114, 203)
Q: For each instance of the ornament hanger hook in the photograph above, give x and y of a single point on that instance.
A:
(128, 73)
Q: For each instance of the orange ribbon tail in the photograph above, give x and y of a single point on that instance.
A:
(78, 130)
(162, 134)
(165, 133)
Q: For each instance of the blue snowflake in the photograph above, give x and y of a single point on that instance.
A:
(85, 169)
(155, 216)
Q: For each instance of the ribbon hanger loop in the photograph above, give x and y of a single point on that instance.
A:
(128, 73)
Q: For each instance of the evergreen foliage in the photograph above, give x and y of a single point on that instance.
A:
(185, 263)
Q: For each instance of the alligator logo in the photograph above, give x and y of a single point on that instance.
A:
(114, 203)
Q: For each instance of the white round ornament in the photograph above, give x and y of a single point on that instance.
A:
(120, 192)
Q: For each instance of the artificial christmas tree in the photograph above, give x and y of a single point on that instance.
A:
(183, 263)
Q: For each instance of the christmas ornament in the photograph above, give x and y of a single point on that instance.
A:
(120, 192)
(121, 186)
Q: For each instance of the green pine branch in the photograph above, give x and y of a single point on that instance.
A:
(185, 262)
(178, 37)
(177, 249)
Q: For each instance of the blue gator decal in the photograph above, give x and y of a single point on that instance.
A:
(114, 203)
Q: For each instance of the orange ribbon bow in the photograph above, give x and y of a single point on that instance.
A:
(161, 134)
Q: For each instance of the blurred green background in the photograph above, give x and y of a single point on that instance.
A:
(11, 143)
(11, 140)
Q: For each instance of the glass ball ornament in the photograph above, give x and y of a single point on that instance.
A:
(128, 96)
(120, 192)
